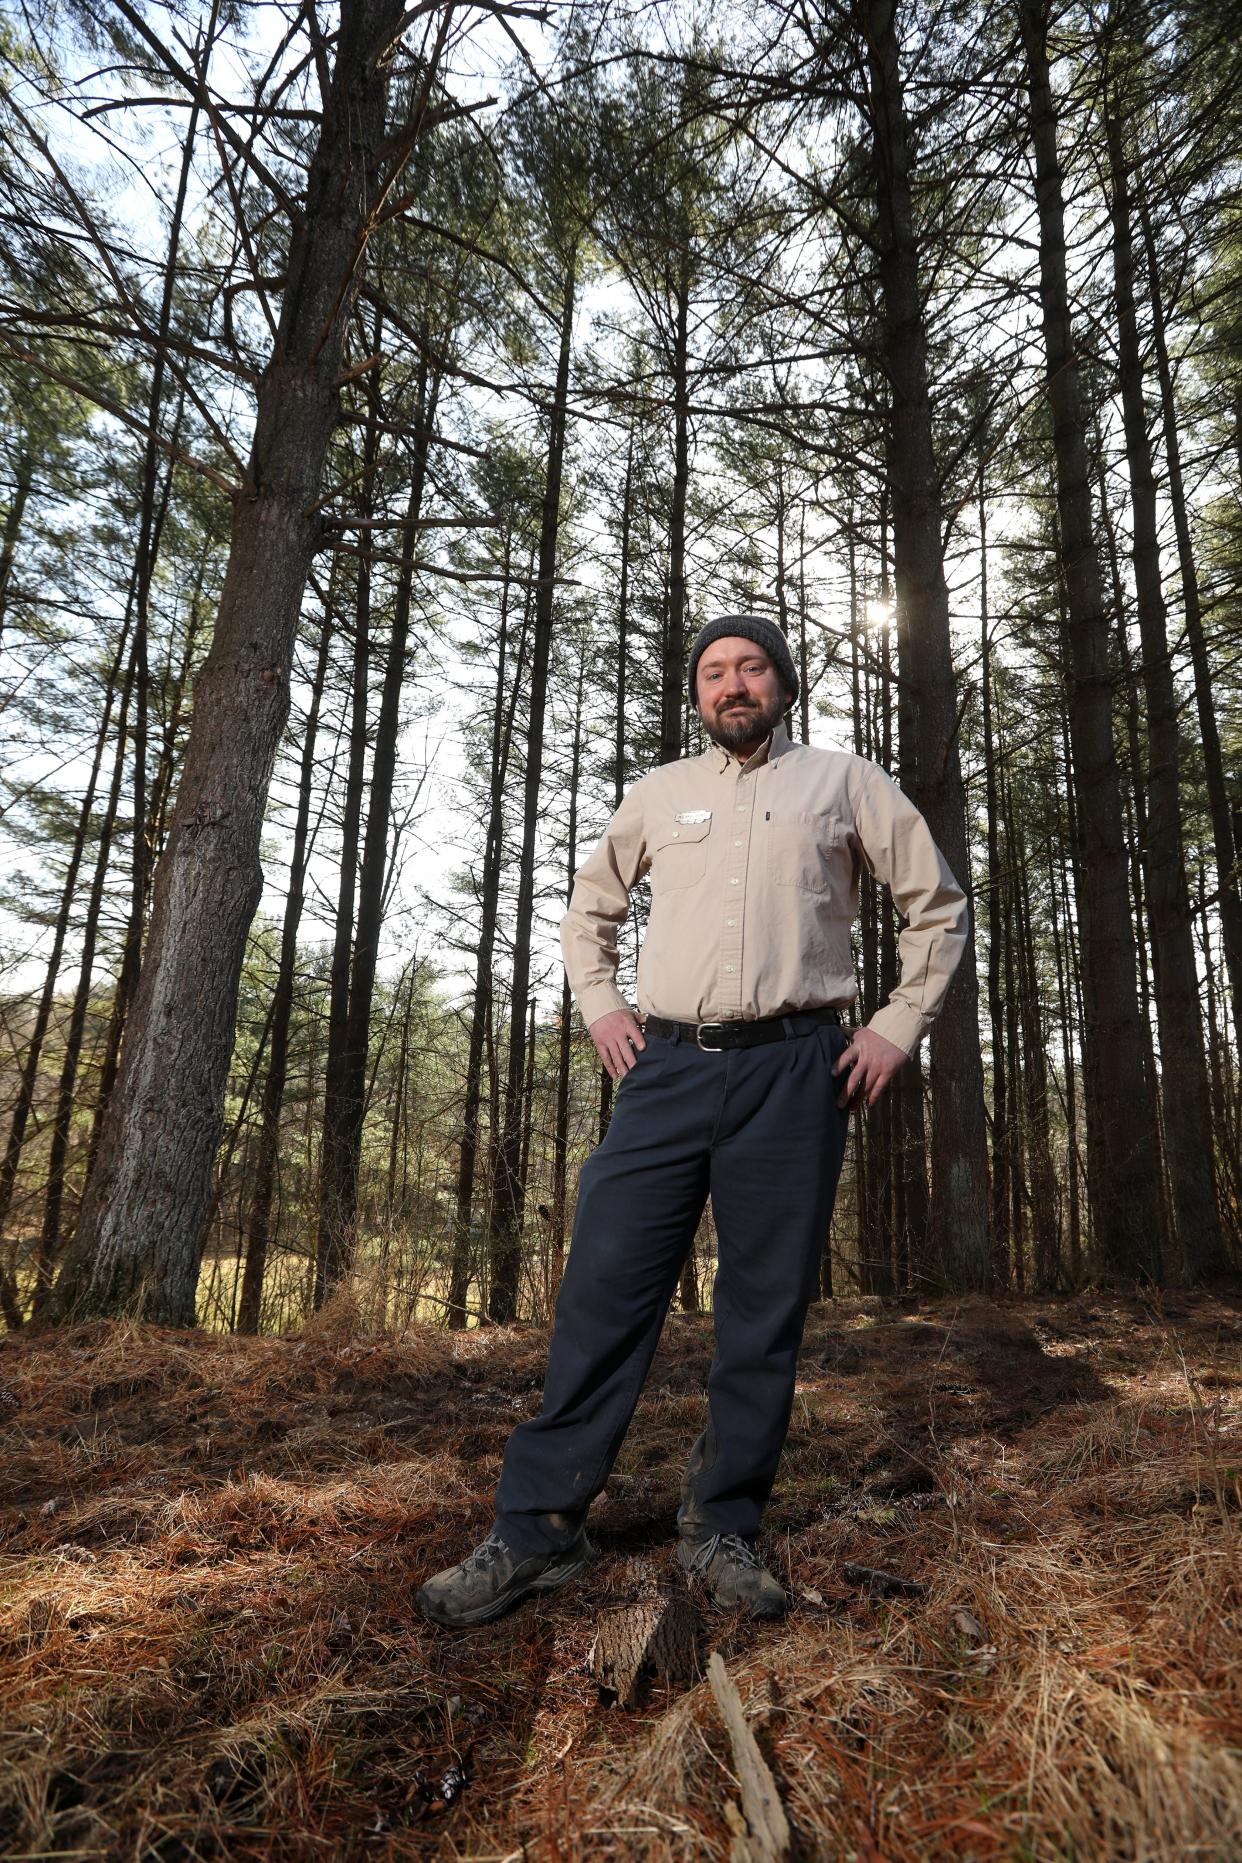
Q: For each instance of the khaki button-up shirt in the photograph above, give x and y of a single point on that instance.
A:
(754, 887)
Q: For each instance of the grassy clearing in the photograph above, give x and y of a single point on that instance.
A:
(209, 1548)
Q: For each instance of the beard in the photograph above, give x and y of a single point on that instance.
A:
(745, 723)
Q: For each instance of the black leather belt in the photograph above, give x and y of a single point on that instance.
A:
(715, 1037)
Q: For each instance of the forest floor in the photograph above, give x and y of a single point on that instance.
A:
(208, 1645)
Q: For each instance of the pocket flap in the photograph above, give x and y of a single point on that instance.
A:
(679, 834)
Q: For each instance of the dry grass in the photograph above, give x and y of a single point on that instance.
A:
(210, 1545)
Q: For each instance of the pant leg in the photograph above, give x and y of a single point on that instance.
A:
(640, 1197)
(774, 1177)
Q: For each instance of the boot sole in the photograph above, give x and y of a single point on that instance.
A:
(550, 1580)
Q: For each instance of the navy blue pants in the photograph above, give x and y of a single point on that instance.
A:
(760, 1131)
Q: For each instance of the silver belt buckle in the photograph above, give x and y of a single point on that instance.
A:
(705, 1027)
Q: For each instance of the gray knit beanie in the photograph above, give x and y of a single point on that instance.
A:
(763, 632)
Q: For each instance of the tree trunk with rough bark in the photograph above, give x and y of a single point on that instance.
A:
(1123, 1181)
(140, 1233)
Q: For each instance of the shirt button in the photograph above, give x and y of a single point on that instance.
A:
(728, 967)
(676, 832)
(730, 921)
(732, 882)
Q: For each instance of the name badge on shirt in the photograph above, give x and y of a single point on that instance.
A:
(693, 815)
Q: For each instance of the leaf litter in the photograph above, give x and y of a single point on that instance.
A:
(209, 1648)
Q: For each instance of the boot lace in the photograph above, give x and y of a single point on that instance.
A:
(731, 1545)
(485, 1556)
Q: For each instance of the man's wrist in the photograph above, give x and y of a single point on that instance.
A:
(901, 1025)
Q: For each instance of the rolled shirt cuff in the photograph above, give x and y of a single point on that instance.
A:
(600, 999)
(900, 1024)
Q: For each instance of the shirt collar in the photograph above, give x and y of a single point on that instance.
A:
(773, 746)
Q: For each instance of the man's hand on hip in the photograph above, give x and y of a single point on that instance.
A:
(869, 1063)
(616, 1036)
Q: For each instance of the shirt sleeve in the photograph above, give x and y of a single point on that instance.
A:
(901, 852)
(597, 909)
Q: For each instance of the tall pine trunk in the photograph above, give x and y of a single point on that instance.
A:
(267, 1155)
(58, 1150)
(1123, 1179)
(1225, 848)
(1184, 1081)
(343, 1112)
(996, 1002)
(564, 1057)
(619, 739)
(959, 1165)
(140, 1233)
(332, 1243)
(507, 1209)
(29, 1073)
(673, 668)
(462, 1264)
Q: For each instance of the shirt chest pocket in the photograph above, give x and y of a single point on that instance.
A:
(678, 855)
(805, 849)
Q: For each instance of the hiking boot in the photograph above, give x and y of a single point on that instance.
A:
(493, 1578)
(733, 1573)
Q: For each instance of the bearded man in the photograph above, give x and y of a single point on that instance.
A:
(735, 1080)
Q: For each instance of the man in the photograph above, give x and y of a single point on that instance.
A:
(726, 1088)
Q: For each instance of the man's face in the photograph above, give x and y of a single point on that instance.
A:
(739, 692)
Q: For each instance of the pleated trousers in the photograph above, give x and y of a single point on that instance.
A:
(759, 1131)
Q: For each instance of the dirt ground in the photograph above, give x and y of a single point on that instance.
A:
(209, 1547)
